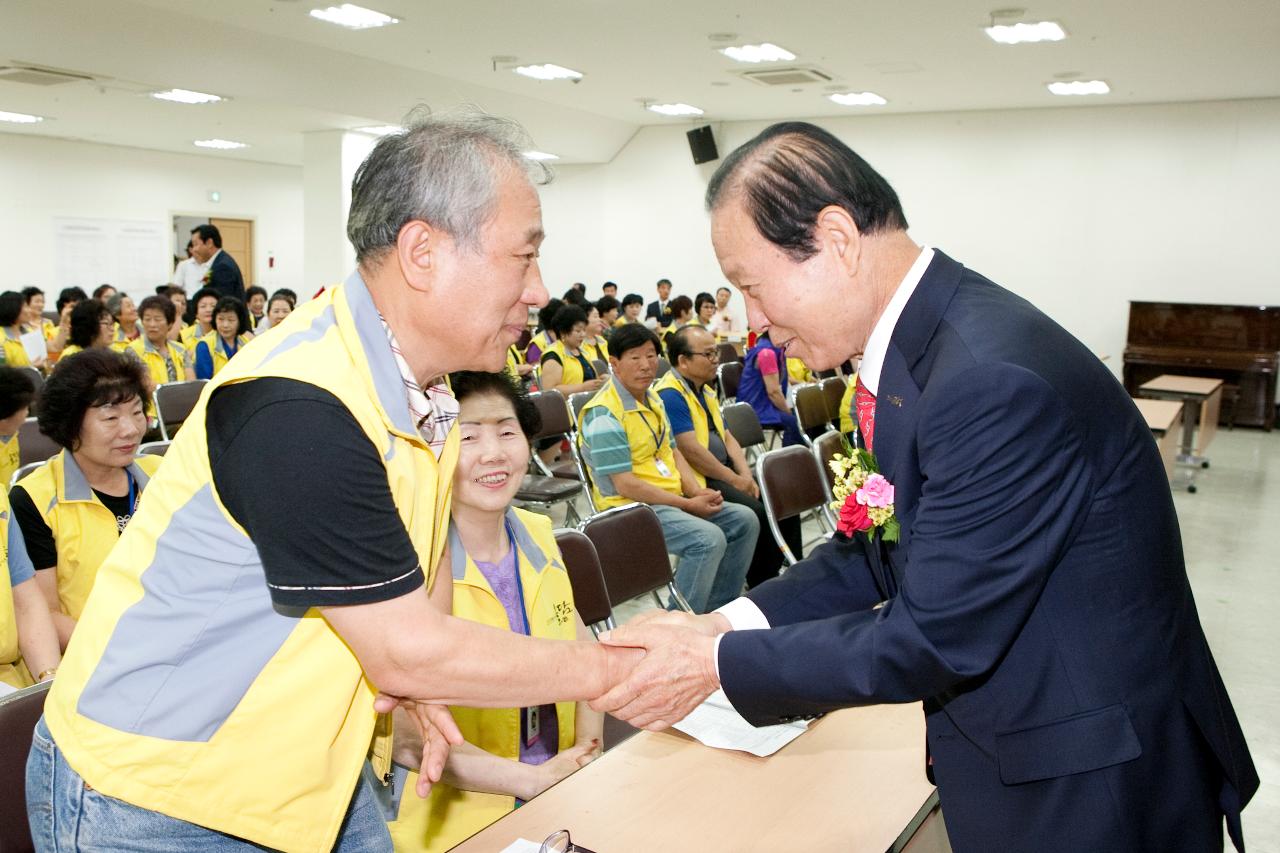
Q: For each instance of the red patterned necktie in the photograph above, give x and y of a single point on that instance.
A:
(864, 403)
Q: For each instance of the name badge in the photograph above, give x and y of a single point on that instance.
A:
(532, 725)
(662, 467)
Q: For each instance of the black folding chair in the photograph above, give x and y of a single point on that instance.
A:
(633, 553)
(729, 376)
(590, 596)
(810, 407)
(19, 713)
(545, 488)
(33, 445)
(833, 391)
(791, 485)
(174, 402)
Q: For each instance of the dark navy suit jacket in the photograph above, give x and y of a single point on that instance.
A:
(1037, 602)
(225, 277)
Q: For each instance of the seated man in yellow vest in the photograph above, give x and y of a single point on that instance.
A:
(715, 456)
(630, 450)
(222, 688)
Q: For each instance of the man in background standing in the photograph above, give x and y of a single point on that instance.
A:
(189, 273)
(223, 274)
(658, 314)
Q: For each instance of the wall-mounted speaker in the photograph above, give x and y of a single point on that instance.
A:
(702, 145)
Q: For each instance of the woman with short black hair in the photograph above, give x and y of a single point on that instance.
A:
(231, 330)
(74, 507)
(12, 309)
(92, 327)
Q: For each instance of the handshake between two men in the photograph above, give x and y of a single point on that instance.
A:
(659, 667)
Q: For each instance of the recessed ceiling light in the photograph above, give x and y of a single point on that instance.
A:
(381, 129)
(548, 71)
(220, 144)
(353, 17)
(1022, 33)
(674, 109)
(857, 99)
(20, 118)
(541, 155)
(186, 96)
(758, 53)
(1080, 87)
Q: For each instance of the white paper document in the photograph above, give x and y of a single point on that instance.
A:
(5, 689)
(522, 845)
(33, 342)
(715, 723)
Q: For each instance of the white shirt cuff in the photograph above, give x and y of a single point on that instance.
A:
(743, 615)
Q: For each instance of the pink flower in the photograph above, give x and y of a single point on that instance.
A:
(853, 517)
(876, 491)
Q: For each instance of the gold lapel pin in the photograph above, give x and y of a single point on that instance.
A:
(895, 400)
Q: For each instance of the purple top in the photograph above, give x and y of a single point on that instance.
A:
(502, 579)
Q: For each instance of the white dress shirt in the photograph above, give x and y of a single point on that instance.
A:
(742, 613)
(189, 274)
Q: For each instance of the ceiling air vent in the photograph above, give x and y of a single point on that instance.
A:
(37, 75)
(796, 76)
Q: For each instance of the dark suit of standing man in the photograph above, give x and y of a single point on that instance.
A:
(1037, 601)
(657, 315)
(224, 273)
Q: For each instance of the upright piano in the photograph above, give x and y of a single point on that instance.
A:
(1239, 344)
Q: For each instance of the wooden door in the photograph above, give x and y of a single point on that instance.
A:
(237, 241)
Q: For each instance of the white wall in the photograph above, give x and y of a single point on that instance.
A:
(43, 179)
(1077, 209)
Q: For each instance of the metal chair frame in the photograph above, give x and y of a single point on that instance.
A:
(675, 593)
(821, 511)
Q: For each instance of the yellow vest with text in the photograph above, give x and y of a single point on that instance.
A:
(648, 434)
(15, 354)
(12, 670)
(153, 359)
(573, 373)
(701, 429)
(185, 691)
(10, 459)
(218, 348)
(84, 530)
(450, 815)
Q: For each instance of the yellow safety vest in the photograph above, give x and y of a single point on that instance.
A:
(218, 348)
(15, 354)
(184, 690)
(13, 671)
(450, 815)
(573, 372)
(701, 430)
(154, 360)
(69, 350)
(539, 340)
(120, 341)
(84, 530)
(191, 335)
(798, 372)
(10, 459)
(847, 421)
(648, 434)
(597, 350)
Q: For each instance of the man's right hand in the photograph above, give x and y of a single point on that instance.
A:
(746, 484)
(704, 504)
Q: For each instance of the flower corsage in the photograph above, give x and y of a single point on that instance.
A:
(864, 498)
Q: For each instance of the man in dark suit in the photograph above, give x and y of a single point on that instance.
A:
(1036, 601)
(658, 314)
(224, 273)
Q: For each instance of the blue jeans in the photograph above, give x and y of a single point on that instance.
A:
(714, 553)
(65, 815)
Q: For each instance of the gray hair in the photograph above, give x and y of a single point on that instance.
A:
(114, 301)
(441, 170)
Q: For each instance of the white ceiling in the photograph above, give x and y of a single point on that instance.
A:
(286, 74)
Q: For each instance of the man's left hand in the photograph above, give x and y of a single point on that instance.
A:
(438, 732)
(677, 673)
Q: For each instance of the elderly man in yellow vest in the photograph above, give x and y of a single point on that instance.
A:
(715, 456)
(221, 691)
(630, 449)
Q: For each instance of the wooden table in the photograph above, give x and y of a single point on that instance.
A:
(854, 782)
(1162, 417)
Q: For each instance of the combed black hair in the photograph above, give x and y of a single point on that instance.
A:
(702, 299)
(207, 233)
(103, 288)
(17, 390)
(287, 294)
(663, 281)
(161, 304)
(632, 299)
(566, 318)
(612, 284)
(254, 291)
(607, 303)
(95, 377)
(11, 307)
(86, 318)
(233, 305)
(791, 171)
(194, 302)
(546, 312)
(573, 296)
(70, 294)
(680, 305)
(29, 293)
(467, 383)
(631, 336)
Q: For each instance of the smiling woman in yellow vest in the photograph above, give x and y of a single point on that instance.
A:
(12, 309)
(507, 573)
(203, 301)
(125, 314)
(92, 327)
(594, 346)
(565, 367)
(73, 508)
(165, 360)
(230, 332)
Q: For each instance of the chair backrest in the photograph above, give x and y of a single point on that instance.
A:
(33, 445)
(174, 402)
(24, 470)
(19, 713)
(664, 367)
(576, 402)
(810, 406)
(790, 482)
(602, 368)
(555, 414)
(632, 550)
(154, 448)
(833, 392)
(730, 375)
(590, 596)
(728, 353)
(826, 446)
(741, 420)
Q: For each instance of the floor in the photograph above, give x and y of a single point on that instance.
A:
(1236, 579)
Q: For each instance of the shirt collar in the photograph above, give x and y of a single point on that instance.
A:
(433, 408)
(878, 344)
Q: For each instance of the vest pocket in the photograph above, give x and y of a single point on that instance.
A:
(1081, 742)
